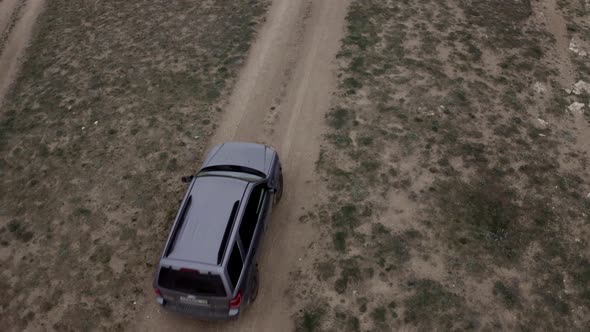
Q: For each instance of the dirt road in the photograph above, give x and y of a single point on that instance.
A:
(17, 18)
(280, 99)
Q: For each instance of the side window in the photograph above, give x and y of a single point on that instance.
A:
(251, 216)
(234, 266)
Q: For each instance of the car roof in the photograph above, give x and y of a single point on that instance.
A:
(250, 155)
(210, 207)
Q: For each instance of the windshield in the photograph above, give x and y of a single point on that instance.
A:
(232, 174)
(191, 282)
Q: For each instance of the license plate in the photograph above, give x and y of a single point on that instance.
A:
(193, 300)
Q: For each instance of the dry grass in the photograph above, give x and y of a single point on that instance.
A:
(114, 105)
(449, 196)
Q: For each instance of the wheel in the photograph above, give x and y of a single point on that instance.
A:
(254, 293)
(279, 192)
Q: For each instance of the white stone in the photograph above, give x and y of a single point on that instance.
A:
(574, 48)
(542, 122)
(580, 87)
(539, 87)
(576, 108)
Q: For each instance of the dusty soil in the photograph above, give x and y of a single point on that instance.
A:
(17, 18)
(280, 99)
(435, 157)
(114, 103)
(457, 162)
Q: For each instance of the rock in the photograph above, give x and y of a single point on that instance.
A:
(542, 122)
(580, 87)
(539, 87)
(95, 123)
(576, 108)
(588, 196)
(574, 48)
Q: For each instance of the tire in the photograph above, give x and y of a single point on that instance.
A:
(254, 293)
(279, 192)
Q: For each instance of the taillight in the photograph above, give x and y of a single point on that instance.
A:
(236, 301)
(157, 290)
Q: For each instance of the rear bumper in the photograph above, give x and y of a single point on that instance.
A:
(199, 313)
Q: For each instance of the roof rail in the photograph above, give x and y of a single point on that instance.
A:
(228, 228)
(177, 226)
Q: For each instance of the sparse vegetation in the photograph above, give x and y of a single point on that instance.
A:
(457, 180)
(484, 220)
(311, 319)
(340, 241)
(349, 273)
(379, 315)
(326, 270)
(454, 163)
(16, 227)
(432, 305)
(508, 295)
(113, 105)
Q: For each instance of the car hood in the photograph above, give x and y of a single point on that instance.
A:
(251, 155)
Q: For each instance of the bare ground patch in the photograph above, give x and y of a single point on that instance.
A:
(457, 178)
(114, 104)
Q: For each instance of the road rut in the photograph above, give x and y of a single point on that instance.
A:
(279, 99)
(17, 20)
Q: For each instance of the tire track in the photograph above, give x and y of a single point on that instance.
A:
(9, 12)
(300, 38)
(17, 37)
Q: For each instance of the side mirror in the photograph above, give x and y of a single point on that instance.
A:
(187, 179)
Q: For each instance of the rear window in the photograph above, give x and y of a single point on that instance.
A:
(191, 282)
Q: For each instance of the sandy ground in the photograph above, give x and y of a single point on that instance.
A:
(556, 25)
(280, 99)
(282, 94)
(17, 18)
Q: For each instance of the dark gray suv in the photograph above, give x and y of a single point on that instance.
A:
(209, 267)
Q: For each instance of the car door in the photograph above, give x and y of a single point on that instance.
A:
(265, 207)
(251, 230)
(254, 219)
